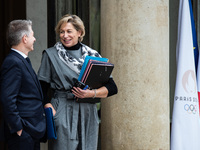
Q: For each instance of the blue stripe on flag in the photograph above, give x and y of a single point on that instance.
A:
(194, 35)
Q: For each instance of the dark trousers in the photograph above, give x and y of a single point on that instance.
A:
(23, 142)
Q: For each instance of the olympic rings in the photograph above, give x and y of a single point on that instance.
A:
(190, 108)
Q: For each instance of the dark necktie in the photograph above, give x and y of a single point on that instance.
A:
(28, 60)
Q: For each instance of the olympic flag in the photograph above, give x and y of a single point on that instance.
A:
(185, 133)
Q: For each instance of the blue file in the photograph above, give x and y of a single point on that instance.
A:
(51, 130)
(96, 75)
(87, 58)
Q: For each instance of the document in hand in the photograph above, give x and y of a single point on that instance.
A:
(51, 130)
(96, 74)
(87, 58)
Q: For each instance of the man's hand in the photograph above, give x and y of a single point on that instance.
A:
(50, 105)
(19, 132)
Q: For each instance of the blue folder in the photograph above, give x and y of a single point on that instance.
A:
(87, 58)
(51, 130)
(96, 75)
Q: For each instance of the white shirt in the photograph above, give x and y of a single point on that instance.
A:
(23, 55)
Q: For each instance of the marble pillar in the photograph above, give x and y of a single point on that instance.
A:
(135, 37)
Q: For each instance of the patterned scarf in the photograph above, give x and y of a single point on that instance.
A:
(72, 62)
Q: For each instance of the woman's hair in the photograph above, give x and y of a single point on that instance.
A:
(16, 30)
(75, 21)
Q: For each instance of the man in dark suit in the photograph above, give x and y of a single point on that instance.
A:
(20, 92)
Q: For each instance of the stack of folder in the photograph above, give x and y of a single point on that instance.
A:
(95, 73)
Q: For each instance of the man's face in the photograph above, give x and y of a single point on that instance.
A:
(30, 40)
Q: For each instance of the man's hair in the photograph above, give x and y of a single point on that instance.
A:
(16, 30)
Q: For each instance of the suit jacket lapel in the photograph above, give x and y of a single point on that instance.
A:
(33, 74)
(31, 71)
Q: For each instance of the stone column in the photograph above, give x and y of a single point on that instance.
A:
(135, 37)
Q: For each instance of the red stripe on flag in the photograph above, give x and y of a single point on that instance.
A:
(199, 101)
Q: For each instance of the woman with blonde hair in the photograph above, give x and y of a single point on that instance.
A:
(76, 123)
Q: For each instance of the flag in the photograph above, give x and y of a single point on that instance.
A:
(196, 53)
(185, 131)
(194, 35)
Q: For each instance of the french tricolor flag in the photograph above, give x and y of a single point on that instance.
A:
(185, 132)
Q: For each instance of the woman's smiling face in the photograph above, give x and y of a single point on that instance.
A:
(69, 36)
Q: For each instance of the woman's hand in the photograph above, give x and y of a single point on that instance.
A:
(100, 93)
(79, 93)
(50, 105)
